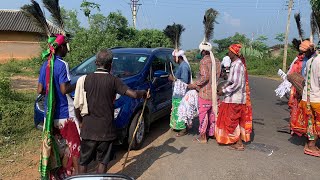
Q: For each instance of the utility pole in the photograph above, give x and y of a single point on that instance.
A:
(285, 55)
(134, 9)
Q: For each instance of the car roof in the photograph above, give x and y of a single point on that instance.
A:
(148, 51)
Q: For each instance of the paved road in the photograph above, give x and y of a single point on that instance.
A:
(271, 155)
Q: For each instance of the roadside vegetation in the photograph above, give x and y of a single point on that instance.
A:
(17, 131)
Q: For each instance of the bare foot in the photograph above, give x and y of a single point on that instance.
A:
(200, 140)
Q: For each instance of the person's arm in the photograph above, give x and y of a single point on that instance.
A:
(123, 89)
(204, 75)
(78, 116)
(40, 89)
(234, 79)
(64, 80)
(218, 69)
(136, 94)
(67, 88)
(42, 80)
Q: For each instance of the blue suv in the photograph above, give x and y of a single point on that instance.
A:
(139, 68)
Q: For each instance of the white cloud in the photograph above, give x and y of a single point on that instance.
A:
(228, 19)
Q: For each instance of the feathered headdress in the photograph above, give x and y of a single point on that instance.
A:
(53, 7)
(208, 21)
(315, 22)
(297, 17)
(173, 32)
(34, 12)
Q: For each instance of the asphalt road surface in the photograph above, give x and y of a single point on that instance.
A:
(271, 154)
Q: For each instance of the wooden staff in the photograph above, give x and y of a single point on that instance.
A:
(135, 131)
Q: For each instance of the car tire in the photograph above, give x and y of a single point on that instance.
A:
(141, 132)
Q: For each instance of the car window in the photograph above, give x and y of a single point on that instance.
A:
(123, 65)
(86, 67)
(160, 62)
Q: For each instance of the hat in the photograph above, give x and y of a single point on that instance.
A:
(205, 46)
(235, 48)
(178, 53)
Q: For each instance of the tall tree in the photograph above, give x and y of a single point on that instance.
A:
(87, 7)
(280, 37)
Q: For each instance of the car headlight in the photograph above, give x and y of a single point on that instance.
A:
(118, 96)
(116, 112)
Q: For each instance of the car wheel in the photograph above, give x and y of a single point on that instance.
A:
(140, 134)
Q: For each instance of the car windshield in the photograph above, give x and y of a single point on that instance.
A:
(123, 65)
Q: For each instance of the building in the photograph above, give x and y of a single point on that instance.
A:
(20, 37)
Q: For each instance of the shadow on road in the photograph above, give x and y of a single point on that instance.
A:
(156, 130)
(140, 163)
(281, 102)
(297, 140)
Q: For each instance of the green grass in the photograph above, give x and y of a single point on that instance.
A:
(16, 119)
(28, 67)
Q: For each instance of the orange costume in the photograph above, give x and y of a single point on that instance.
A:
(234, 116)
(295, 97)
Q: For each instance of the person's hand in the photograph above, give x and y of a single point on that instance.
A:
(192, 86)
(146, 95)
(171, 78)
(219, 92)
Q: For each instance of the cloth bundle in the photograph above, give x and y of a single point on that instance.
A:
(285, 86)
(188, 108)
(179, 88)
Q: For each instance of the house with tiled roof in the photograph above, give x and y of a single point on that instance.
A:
(20, 37)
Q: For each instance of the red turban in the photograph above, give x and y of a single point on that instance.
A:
(235, 48)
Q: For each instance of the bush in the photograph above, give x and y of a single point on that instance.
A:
(28, 67)
(16, 114)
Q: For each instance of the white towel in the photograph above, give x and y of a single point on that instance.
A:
(80, 97)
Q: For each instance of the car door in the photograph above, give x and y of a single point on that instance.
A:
(162, 86)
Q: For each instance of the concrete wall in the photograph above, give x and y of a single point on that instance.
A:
(18, 45)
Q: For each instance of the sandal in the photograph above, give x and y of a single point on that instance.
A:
(311, 153)
(236, 148)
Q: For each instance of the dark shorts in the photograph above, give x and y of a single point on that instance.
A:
(90, 150)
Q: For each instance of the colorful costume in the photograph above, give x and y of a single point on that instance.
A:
(235, 112)
(308, 121)
(183, 76)
(60, 123)
(207, 87)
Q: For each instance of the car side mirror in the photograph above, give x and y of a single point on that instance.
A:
(160, 74)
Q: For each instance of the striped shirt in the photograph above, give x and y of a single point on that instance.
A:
(235, 91)
(204, 80)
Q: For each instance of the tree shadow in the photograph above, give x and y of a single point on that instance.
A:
(140, 163)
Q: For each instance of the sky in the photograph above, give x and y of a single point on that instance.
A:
(250, 17)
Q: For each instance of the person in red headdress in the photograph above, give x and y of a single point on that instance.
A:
(64, 127)
(234, 123)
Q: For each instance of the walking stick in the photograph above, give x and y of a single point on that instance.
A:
(135, 131)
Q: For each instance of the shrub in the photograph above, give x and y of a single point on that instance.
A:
(16, 114)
